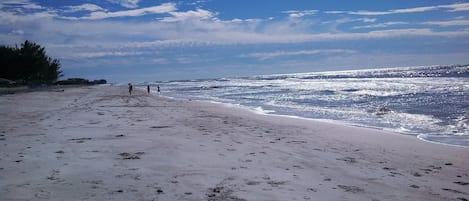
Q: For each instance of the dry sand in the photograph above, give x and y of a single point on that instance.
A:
(97, 143)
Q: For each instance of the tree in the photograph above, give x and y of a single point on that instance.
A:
(29, 63)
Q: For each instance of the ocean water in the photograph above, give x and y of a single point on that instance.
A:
(431, 103)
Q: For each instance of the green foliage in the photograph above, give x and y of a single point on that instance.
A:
(80, 81)
(28, 64)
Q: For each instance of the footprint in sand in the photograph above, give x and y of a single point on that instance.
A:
(54, 176)
(80, 140)
(417, 174)
(42, 194)
(453, 191)
(461, 183)
(348, 160)
(127, 156)
(159, 127)
(276, 183)
(252, 183)
(351, 189)
(131, 176)
(220, 193)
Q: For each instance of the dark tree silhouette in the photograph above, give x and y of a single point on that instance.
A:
(29, 64)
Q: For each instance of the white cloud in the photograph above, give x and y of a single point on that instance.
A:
(21, 5)
(163, 8)
(126, 3)
(269, 55)
(200, 28)
(194, 32)
(380, 59)
(348, 20)
(368, 19)
(199, 14)
(159, 61)
(449, 23)
(7, 17)
(380, 25)
(17, 32)
(300, 13)
(32, 6)
(84, 7)
(195, 3)
(237, 20)
(452, 8)
(335, 12)
(457, 22)
(414, 10)
(397, 11)
(457, 7)
(247, 21)
(103, 54)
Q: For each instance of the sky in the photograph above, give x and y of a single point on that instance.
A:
(154, 40)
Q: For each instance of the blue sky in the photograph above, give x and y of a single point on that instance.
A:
(149, 40)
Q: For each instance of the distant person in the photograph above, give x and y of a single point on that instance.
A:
(130, 88)
(148, 89)
(158, 88)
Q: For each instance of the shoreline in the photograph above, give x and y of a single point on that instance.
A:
(99, 143)
(331, 121)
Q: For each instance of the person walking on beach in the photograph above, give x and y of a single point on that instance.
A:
(148, 89)
(130, 89)
(158, 88)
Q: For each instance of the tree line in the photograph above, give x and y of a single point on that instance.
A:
(28, 64)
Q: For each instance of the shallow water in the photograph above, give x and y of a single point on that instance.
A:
(428, 102)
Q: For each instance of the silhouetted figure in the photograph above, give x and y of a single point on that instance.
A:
(130, 89)
(148, 89)
(158, 88)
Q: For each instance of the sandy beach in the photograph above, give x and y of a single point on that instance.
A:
(99, 143)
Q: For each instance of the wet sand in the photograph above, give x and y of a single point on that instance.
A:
(99, 143)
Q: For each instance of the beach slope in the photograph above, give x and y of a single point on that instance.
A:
(99, 143)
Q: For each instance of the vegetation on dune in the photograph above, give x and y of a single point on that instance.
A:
(28, 64)
(80, 81)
